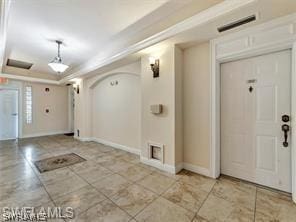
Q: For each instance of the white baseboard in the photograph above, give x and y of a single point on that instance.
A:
(197, 169)
(43, 134)
(108, 143)
(118, 146)
(83, 139)
(165, 167)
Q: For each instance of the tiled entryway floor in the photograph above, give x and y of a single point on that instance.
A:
(113, 185)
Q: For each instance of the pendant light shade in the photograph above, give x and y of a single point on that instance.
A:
(56, 64)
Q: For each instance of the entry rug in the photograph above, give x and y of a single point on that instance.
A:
(56, 162)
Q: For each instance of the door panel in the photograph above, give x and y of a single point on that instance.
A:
(251, 135)
(266, 153)
(266, 103)
(8, 114)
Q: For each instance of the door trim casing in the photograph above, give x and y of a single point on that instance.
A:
(276, 35)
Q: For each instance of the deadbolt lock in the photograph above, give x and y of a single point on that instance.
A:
(285, 118)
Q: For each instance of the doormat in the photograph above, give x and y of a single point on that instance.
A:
(57, 162)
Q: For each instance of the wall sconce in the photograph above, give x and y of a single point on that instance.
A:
(76, 87)
(154, 63)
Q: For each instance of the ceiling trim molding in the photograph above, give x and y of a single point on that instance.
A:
(30, 79)
(5, 8)
(196, 20)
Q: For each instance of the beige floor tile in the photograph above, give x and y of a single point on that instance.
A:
(38, 156)
(199, 219)
(216, 209)
(90, 171)
(272, 206)
(105, 157)
(10, 155)
(105, 211)
(7, 143)
(185, 195)
(170, 175)
(116, 165)
(117, 153)
(163, 210)
(146, 166)
(50, 206)
(134, 172)
(204, 183)
(9, 189)
(89, 154)
(63, 187)
(156, 182)
(80, 200)
(50, 177)
(132, 186)
(129, 157)
(16, 172)
(102, 147)
(29, 192)
(133, 199)
(111, 185)
(236, 192)
(7, 163)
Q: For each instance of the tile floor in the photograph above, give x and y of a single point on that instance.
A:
(113, 185)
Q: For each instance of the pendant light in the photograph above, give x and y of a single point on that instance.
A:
(56, 64)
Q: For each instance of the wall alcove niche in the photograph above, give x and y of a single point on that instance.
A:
(115, 110)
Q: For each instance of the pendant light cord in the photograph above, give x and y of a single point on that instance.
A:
(59, 45)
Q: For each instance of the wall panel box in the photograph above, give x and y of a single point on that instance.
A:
(156, 109)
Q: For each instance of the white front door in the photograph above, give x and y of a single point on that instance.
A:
(8, 114)
(255, 95)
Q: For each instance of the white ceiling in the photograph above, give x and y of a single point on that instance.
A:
(88, 28)
(83, 25)
(95, 30)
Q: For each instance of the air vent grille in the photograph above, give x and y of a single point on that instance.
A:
(19, 64)
(237, 23)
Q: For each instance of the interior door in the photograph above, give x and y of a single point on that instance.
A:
(8, 114)
(255, 95)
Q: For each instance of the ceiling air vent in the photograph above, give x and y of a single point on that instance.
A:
(237, 23)
(19, 64)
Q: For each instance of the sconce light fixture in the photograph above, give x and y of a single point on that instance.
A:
(154, 63)
(76, 87)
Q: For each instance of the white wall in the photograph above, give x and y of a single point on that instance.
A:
(196, 105)
(56, 100)
(116, 110)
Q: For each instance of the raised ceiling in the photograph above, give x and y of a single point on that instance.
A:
(90, 29)
(100, 34)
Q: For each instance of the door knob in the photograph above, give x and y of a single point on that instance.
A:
(285, 129)
(14, 114)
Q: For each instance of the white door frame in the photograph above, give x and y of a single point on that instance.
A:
(19, 108)
(279, 34)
